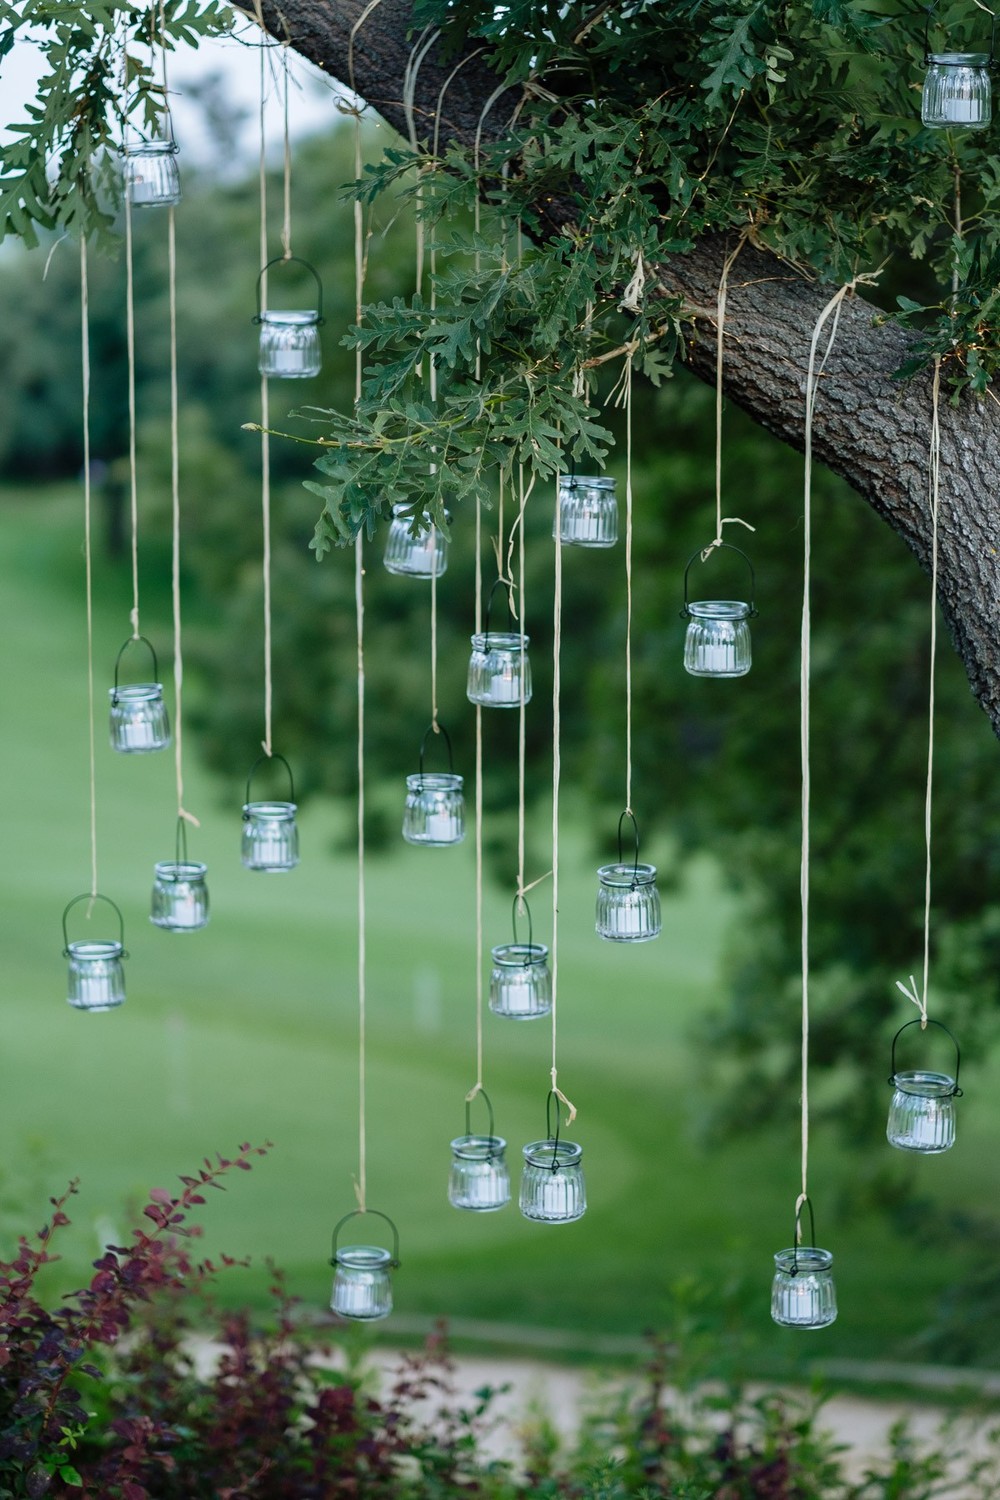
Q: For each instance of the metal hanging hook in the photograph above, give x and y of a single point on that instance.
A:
(685, 612)
(956, 1091)
(806, 1202)
(284, 260)
(181, 842)
(258, 761)
(358, 1213)
(132, 640)
(93, 896)
(552, 1139)
(929, 13)
(628, 813)
(519, 900)
(437, 728)
(497, 583)
(489, 1110)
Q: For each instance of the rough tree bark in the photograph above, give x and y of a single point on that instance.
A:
(868, 427)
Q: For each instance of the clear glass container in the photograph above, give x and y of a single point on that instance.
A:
(628, 903)
(498, 660)
(922, 1112)
(588, 511)
(520, 981)
(434, 813)
(362, 1286)
(803, 1294)
(717, 643)
(421, 556)
(96, 974)
(479, 1179)
(139, 719)
(270, 836)
(289, 343)
(957, 91)
(180, 895)
(552, 1186)
(152, 177)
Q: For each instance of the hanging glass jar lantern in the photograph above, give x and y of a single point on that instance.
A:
(628, 903)
(434, 812)
(289, 337)
(479, 1180)
(957, 92)
(149, 166)
(802, 1293)
(96, 976)
(520, 980)
(552, 1185)
(922, 1112)
(499, 669)
(588, 511)
(424, 555)
(180, 895)
(362, 1285)
(139, 720)
(270, 835)
(717, 643)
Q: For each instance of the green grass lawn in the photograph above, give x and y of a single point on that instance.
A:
(247, 1031)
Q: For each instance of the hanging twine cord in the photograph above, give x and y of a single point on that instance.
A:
(628, 585)
(133, 479)
(920, 997)
(265, 423)
(720, 316)
(556, 776)
(88, 555)
(175, 515)
(478, 1086)
(286, 225)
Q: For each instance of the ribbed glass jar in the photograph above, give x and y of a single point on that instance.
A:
(152, 177)
(434, 812)
(803, 1294)
(552, 1186)
(588, 511)
(495, 670)
(520, 981)
(922, 1112)
(957, 91)
(270, 836)
(289, 343)
(96, 975)
(717, 643)
(421, 556)
(479, 1179)
(362, 1286)
(628, 903)
(180, 896)
(139, 719)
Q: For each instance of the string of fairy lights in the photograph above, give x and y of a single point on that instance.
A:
(523, 982)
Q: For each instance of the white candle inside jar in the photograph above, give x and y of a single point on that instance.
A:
(505, 687)
(718, 658)
(440, 827)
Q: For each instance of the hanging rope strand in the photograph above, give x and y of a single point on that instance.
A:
(556, 776)
(720, 318)
(133, 478)
(522, 736)
(265, 422)
(286, 225)
(88, 551)
(361, 1186)
(175, 515)
(628, 584)
(479, 824)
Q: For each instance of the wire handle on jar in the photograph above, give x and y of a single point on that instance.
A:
(437, 728)
(181, 842)
(165, 120)
(283, 260)
(93, 896)
(489, 1110)
(628, 813)
(357, 1213)
(257, 762)
(685, 612)
(118, 661)
(956, 1091)
(930, 9)
(554, 1139)
(519, 901)
(497, 583)
(804, 1202)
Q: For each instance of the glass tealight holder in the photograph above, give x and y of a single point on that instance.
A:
(96, 976)
(520, 981)
(922, 1112)
(552, 1186)
(152, 178)
(289, 337)
(717, 642)
(957, 92)
(422, 556)
(479, 1179)
(497, 667)
(362, 1285)
(138, 716)
(802, 1293)
(434, 811)
(588, 511)
(628, 903)
(270, 834)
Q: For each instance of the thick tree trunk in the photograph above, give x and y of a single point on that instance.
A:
(868, 427)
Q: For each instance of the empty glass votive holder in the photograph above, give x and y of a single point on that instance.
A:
(270, 836)
(922, 1112)
(628, 903)
(552, 1186)
(362, 1286)
(422, 556)
(434, 812)
(96, 974)
(289, 343)
(588, 511)
(139, 719)
(717, 643)
(803, 1294)
(479, 1178)
(520, 981)
(497, 666)
(180, 895)
(957, 91)
(152, 177)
